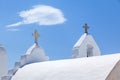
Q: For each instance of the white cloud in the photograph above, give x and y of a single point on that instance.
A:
(42, 15)
(14, 25)
(13, 30)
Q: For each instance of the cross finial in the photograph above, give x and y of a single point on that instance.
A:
(36, 36)
(86, 27)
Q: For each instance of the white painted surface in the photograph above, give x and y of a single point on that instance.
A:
(85, 47)
(92, 68)
(3, 61)
(34, 54)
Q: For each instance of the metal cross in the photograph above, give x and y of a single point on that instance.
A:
(86, 27)
(36, 36)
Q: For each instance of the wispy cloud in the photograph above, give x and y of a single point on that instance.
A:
(40, 14)
(12, 29)
(14, 25)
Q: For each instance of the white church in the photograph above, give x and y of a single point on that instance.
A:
(86, 63)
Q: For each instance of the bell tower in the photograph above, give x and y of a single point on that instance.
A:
(86, 46)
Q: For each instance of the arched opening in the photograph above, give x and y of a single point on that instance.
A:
(89, 50)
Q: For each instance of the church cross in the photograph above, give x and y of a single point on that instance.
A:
(36, 36)
(86, 27)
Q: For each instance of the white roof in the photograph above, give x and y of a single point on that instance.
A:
(82, 38)
(35, 54)
(92, 68)
(32, 48)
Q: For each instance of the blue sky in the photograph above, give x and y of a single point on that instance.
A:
(57, 39)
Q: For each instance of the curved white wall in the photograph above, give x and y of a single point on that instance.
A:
(37, 55)
(3, 61)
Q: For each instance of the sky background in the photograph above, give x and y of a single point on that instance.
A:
(58, 39)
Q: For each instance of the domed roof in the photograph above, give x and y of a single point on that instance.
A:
(34, 48)
(36, 54)
(92, 68)
(31, 49)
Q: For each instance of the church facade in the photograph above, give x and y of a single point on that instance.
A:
(86, 63)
